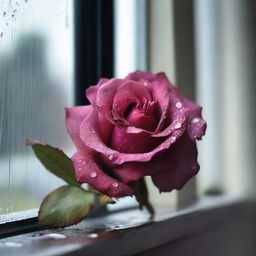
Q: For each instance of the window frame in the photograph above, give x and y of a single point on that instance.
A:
(94, 44)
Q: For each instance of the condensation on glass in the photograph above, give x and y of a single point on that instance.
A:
(36, 83)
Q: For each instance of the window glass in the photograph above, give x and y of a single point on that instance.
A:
(36, 83)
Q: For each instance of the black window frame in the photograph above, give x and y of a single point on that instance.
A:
(94, 44)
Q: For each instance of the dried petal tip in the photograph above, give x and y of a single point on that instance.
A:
(31, 142)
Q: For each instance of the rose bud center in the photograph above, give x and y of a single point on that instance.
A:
(140, 117)
(143, 118)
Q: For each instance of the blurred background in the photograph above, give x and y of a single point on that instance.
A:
(51, 51)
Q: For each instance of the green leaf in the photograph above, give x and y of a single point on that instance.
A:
(55, 161)
(65, 206)
(141, 194)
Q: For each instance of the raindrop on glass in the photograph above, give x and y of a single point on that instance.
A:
(1, 35)
(93, 174)
(4, 13)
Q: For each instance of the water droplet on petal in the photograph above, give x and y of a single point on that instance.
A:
(13, 244)
(93, 174)
(115, 185)
(53, 236)
(83, 162)
(92, 235)
(173, 139)
(178, 104)
(80, 169)
(110, 157)
(93, 132)
(195, 120)
(177, 126)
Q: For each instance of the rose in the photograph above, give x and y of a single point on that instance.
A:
(137, 126)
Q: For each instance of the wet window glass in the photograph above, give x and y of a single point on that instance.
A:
(36, 83)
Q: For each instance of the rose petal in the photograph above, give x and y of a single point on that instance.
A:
(141, 75)
(178, 125)
(197, 125)
(74, 117)
(133, 171)
(140, 119)
(105, 96)
(90, 134)
(160, 93)
(184, 156)
(91, 92)
(128, 92)
(132, 143)
(87, 170)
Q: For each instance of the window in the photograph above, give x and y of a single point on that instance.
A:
(50, 51)
(48, 56)
(36, 74)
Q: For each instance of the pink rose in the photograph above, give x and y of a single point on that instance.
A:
(137, 126)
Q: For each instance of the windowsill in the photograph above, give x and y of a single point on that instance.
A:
(208, 227)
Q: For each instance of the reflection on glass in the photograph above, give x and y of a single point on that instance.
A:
(36, 68)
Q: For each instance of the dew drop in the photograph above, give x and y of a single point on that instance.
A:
(92, 235)
(93, 174)
(195, 120)
(13, 244)
(177, 126)
(79, 169)
(110, 157)
(93, 132)
(178, 104)
(84, 162)
(173, 139)
(53, 236)
(115, 185)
